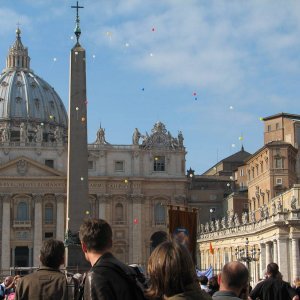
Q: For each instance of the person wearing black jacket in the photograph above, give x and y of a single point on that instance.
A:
(108, 278)
(273, 288)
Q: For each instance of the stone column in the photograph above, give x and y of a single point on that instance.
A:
(6, 222)
(30, 257)
(268, 253)
(60, 217)
(283, 257)
(262, 260)
(38, 229)
(295, 258)
(102, 206)
(275, 251)
(136, 221)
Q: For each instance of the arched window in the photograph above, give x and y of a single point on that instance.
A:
(119, 213)
(22, 211)
(48, 213)
(159, 214)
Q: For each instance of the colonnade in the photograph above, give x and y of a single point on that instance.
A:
(283, 250)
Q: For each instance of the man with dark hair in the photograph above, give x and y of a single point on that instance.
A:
(108, 279)
(234, 282)
(273, 287)
(48, 282)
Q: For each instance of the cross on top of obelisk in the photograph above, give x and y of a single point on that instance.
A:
(77, 30)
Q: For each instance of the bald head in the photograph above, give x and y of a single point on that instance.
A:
(234, 275)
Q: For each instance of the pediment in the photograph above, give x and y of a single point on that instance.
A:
(24, 166)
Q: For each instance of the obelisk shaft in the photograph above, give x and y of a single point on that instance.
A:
(77, 180)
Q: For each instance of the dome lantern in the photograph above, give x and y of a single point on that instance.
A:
(18, 54)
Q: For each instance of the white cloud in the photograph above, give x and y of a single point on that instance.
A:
(216, 46)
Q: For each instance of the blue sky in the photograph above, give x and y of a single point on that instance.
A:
(208, 68)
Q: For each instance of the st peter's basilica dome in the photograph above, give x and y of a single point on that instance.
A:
(30, 109)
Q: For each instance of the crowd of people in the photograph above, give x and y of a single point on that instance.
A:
(171, 275)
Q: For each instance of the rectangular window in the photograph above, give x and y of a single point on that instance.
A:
(278, 181)
(119, 166)
(278, 163)
(277, 126)
(90, 165)
(49, 163)
(242, 172)
(269, 128)
(159, 163)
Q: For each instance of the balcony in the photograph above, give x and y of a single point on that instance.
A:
(21, 223)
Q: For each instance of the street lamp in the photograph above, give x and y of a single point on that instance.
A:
(247, 254)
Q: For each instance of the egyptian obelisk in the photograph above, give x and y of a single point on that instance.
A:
(77, 178)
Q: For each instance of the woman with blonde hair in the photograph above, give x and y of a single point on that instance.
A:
(172, 274)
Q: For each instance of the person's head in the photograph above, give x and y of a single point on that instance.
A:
(95, 236)
(234, 277)
(8, 281)
(213, 283)
(52, 253)
(272, 270)
(203, 280)
(170, 270)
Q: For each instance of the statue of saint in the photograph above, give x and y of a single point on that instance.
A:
(39, 134)
(293, 202)
(279, 205)
(266, 211)
(217, 223)
(58, 135)
(261, 212)
(23, 133)
(180, 139)
(236, 220)
(223, 223)
(101, 136)
(5, 135)
(136, 137)
(245, 218)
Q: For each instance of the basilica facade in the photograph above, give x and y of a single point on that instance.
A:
(129, 185)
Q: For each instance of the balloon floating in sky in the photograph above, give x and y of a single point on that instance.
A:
(196, 98)
(153, 29)
(231, 107)
(54, 59)
(151, 54)
(94, 55)
(143, 89)
(72, 37)
(261, 119)
(127, 45)
(194, 94)
(109, 34)
(232, 145)
(241, 138)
